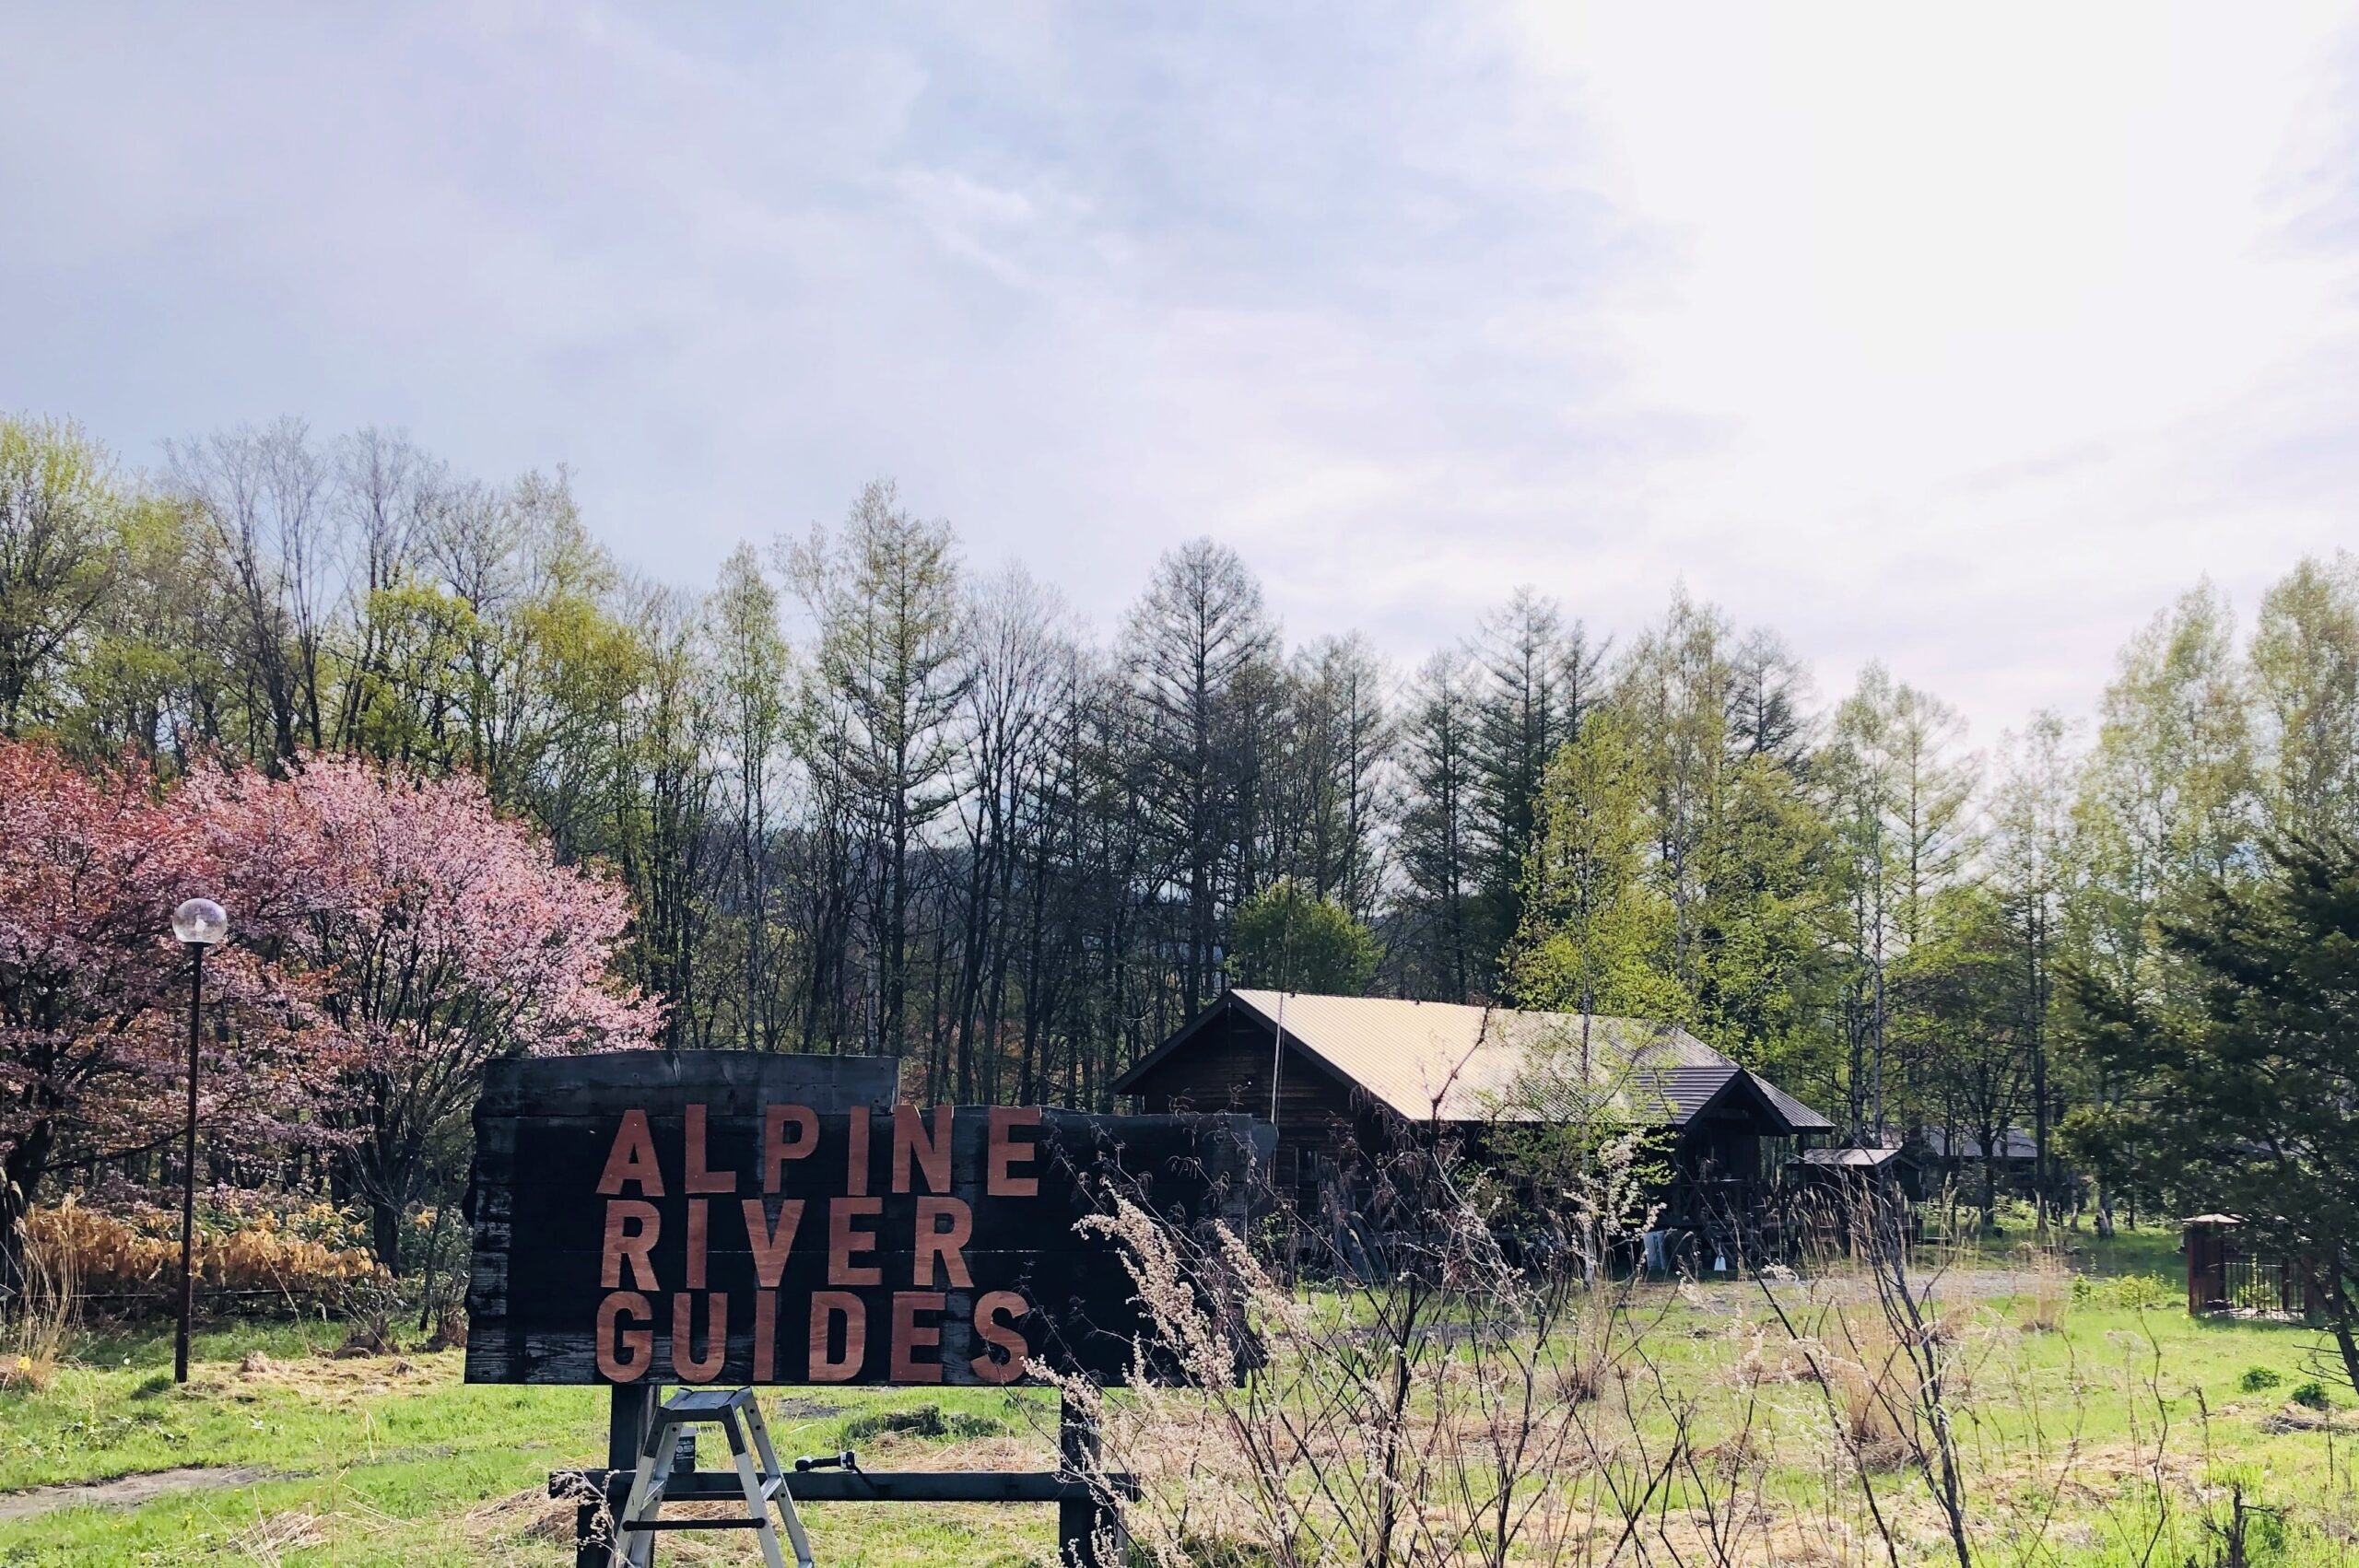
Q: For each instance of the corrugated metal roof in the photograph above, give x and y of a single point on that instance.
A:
(1426, 1059)
(1850, 1158)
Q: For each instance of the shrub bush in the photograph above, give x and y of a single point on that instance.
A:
(2311, 1395)
(2130, 1293)
(2259, 1379)
(130, 1263)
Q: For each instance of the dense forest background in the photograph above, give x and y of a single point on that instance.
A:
(865, 797)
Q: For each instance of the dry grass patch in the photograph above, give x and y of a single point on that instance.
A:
(531, 1515)
(40, 1323)
(269, 1540)
(332, 1383)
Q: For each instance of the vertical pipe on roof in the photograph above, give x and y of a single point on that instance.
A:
(1277, 1055)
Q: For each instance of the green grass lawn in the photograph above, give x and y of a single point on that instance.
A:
(392, 1459)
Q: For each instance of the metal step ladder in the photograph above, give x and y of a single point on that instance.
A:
(759, 1476)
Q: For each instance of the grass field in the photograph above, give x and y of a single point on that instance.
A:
(392, 1459)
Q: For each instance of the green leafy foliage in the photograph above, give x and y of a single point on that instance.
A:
(1289, 938)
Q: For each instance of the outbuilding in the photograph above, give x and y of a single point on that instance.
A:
(1343, 1076)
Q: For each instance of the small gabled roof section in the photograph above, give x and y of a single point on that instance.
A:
(1854, 1159)
(1428, 1060)
(1799, 1118)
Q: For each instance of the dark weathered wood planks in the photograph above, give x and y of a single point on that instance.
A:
(836, 1239)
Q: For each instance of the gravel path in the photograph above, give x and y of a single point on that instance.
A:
(128, 1491)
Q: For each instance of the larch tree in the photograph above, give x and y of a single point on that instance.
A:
(2033, 857)
(1896, 791)
(884, 592)
(1769, 700)
(63, 515)
(1196, 644)
(2164, 810)
(1341, 737)
(1675, 687)
(751, 676)
(1597, 929)
(1024, 670)
(2305, 659)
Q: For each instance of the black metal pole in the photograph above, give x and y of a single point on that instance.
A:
(188, 1168)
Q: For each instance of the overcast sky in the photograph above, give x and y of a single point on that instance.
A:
(1963, 344)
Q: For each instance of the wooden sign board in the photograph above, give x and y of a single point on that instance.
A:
(744, 1218)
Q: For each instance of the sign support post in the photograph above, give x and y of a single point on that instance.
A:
(630, 1410)
(1081, 1520)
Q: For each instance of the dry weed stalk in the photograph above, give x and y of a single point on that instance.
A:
(1433, 1399)
(37, 1323)
(1408, 1389)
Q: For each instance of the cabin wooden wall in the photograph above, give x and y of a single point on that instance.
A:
(1321, 1119)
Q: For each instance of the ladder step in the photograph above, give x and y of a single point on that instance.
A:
(854, 1486)
(707, 1404)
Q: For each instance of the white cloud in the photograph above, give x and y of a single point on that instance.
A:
(1963, 339)
(1983, 298)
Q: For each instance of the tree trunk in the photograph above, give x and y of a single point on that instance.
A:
(2342, 1314)
(20, 1177)
(385, 1232)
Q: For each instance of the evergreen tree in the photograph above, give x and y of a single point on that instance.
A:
(1534, 680)
(1440, 850)
(2239, 1102)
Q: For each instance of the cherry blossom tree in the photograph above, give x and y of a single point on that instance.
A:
(93, 989)
(437, 934)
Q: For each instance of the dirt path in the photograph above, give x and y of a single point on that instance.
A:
(127, 1490)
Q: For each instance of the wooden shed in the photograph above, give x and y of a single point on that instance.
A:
(1340, 1076)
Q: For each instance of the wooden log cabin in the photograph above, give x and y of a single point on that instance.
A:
(1355, 1074)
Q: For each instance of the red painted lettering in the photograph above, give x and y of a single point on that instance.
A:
(944, 1248)
(1000, 1179)
(771, 1243)
(625, 1354)
(826, 1307)
(777, 1148)
(846, 1240)
(909, 1336)
(632, 1229)
(995, 1317)
(912, 1146)
(689, 1368)
(697, 1176)
(632, 1159)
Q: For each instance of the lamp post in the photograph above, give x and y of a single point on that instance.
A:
(199, 924)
